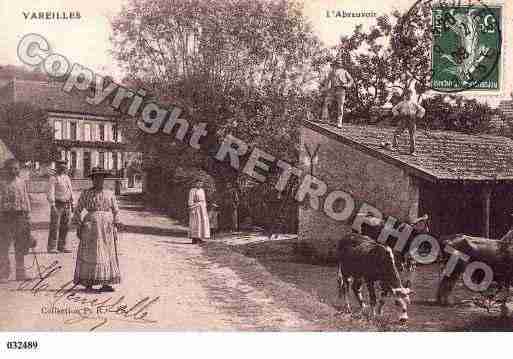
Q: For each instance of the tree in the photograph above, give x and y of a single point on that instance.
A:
(369, 60)
(25, 130)
(224, 62)
(241, 66)
(385, 60)
(457, 113)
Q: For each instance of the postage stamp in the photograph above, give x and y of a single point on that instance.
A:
(466, 52)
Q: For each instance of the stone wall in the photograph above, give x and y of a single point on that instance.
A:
(368, 179)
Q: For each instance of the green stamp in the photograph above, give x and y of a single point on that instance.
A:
(466, 53)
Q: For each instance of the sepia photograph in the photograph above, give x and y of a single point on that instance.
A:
(255, 166)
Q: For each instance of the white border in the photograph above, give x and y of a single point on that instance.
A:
(260, 345)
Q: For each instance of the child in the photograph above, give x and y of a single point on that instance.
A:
(213, 214)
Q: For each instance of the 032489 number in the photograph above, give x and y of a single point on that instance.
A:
(22, 345)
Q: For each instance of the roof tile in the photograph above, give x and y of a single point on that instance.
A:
(440, 155)
(50, 97)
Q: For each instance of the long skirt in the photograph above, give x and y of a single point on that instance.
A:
(199, 224)
(97, 256)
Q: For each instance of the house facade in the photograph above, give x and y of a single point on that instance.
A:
(86, 141)
(464, 182)
(86, 135)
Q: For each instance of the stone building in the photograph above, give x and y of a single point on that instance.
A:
(464, 182)
(86, 135)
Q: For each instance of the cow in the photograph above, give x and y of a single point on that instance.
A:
(497, 254)
(362, 259)
(372, 227)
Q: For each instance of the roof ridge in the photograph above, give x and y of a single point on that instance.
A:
(428, 131)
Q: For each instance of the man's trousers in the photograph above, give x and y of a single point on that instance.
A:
(59, 226)
(15, 229)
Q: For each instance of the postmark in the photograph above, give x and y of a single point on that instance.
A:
(465, 43)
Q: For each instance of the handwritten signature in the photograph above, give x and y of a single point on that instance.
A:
(97, 309)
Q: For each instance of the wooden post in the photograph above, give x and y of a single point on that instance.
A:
(486, 196)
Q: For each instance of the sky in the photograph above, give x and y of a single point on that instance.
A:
(86, 40)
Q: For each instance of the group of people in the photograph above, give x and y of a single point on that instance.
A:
(97, 256)
(97, 262)
(338, 82)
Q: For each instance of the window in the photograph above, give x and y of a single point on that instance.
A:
(73, 160)
(65, 130)
(87, 132)
(58, 129)
(108, 132)
(101, 159)
(115, 133)
(73, 131)
(101, 129)
(94, 132)
(120, 161)
(115, 161)
(108, 160)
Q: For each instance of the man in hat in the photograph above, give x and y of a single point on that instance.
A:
(408, 112)
(14, 221)
(335, 87)
(60, 198)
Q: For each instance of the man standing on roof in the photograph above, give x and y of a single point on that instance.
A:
(408, 112)
(335, 87)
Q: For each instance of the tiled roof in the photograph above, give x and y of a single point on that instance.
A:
(51, 97)
(440, 155)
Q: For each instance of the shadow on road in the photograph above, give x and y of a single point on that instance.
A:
(155, 231)
(175, 242)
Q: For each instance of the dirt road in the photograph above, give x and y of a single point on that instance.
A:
(170, 284)
(167, 284)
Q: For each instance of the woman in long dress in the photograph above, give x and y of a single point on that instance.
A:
(199, 225)
(97, 256)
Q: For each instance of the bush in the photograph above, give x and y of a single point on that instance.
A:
(455, 113)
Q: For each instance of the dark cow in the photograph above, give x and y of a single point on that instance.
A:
(362, 259)
(497, 254)
(372, 227)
